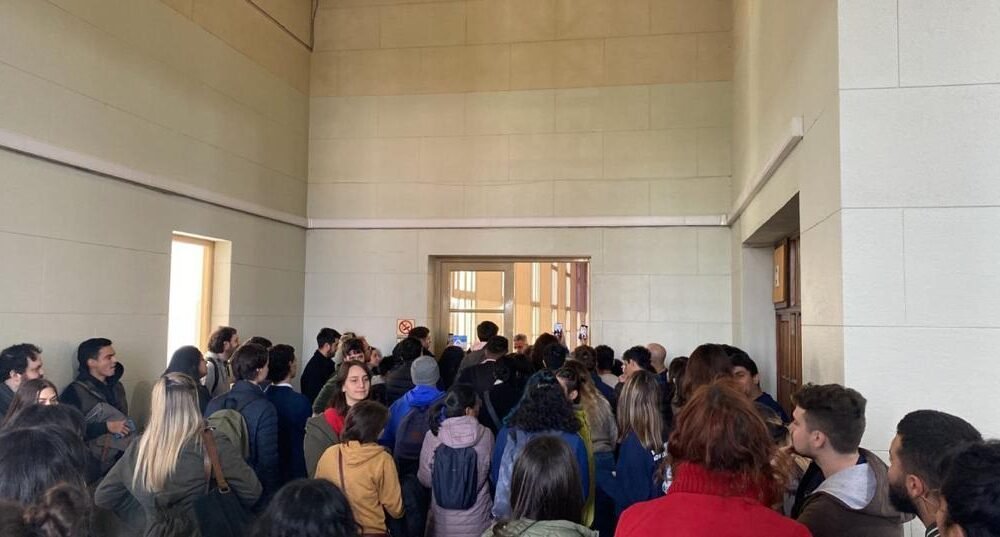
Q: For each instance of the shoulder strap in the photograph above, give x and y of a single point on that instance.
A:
(491, 410)
(212, 453)
(340, 461)
(215, 374)
(90, 390)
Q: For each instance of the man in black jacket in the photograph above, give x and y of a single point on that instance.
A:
(481, 376)
(320, 367)
(99, 381)
(398, 381)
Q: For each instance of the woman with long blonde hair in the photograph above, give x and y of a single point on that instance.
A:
(164, 471)
(640, 441)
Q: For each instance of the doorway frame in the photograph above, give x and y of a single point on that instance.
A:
(440, 265)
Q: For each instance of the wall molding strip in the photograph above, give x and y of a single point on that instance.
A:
(39, 149)
(518, 223)
(793, 135)
(42, 150)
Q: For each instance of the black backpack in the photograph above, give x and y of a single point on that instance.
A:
(455, 477)
(411, 432)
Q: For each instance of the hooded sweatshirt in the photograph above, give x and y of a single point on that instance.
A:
(853, 502)
(418, 397)
(459, 432)
(540, 528)
(369, 481)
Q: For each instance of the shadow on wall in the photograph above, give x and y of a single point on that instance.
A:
(139, 403)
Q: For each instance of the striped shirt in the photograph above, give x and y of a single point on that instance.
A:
(932, 531)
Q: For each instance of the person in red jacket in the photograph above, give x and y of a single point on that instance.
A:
(723, 475)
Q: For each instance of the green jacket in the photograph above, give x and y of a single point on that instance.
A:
(170, 512)
(542, 528)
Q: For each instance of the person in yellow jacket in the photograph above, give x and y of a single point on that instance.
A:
(363, 470)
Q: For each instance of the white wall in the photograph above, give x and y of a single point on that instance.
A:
(668, 285)
(920, 138)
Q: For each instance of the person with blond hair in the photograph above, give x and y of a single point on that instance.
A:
(164, 471)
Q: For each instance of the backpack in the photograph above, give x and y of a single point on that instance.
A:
(411, 432)
(233, 426)
(455, 477)
(215, 368)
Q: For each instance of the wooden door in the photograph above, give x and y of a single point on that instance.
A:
(788, 321)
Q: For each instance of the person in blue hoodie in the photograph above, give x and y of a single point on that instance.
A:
(423, 395)
(543, 410)
(409, 421)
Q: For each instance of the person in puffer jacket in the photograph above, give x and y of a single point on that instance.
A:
(543, 411)
(247, 397)
(547, 493)
(459, 428)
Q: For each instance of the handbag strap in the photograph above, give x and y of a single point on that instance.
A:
(340, 461)
(212, 452)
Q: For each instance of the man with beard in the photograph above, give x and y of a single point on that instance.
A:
(924, 439)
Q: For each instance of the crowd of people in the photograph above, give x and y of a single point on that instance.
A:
(538, 441)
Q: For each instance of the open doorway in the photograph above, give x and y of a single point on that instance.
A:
(772, 294)
(527, 296)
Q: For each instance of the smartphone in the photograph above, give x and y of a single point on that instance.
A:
(557, 330)
(584, 333)
(458, 341)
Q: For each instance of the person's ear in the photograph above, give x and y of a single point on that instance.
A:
(818, 439)
(915, 487)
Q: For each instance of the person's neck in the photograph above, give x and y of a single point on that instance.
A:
(927, 516)
(832, 462)
(755, 393)
(658, 369)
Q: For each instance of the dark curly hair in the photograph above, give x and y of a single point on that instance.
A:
(544, 407)
(972, 489)
(308, 508)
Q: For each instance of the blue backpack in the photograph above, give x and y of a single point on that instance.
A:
(455, 477)
(411, 432)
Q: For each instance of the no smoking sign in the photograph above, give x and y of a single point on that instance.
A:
(403, 327)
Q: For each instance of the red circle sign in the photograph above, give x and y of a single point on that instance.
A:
(405, 326)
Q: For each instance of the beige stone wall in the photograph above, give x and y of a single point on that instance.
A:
(138, 85)
(273, 33)
(670, 285)
(786, 67)
(86, 256)
(520, 108)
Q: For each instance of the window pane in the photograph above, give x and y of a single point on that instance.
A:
(187, 270)
(480, 290)
(464, 323)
